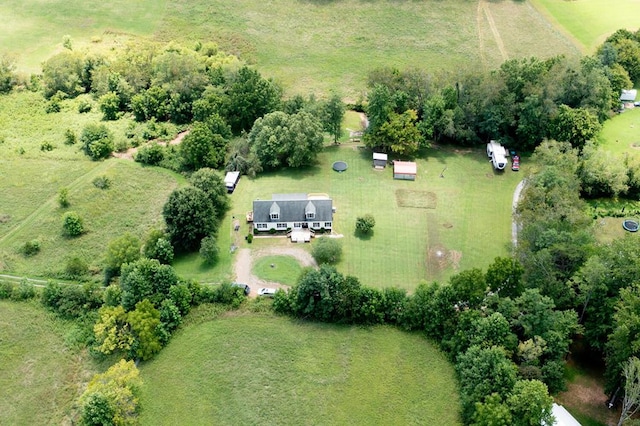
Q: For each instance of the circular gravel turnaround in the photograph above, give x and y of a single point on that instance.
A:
(630, 225)
(339, 166)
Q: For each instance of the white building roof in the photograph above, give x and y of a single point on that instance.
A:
(563, 417)
(628, 95)
(405, 167)
(379, 156)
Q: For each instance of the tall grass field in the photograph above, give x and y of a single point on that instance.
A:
(40, 375)
(308, 46)
(265, 369)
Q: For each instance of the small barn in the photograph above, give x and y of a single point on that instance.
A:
(379, 160)
(562, 416)
(405, 170)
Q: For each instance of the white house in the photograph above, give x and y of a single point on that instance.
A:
(293, 211)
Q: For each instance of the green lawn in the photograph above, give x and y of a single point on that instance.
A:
(265, 369)
(589, 22)
(620, 135)
(308, 46)
(425, 230)
(40, 377)
(279, 269)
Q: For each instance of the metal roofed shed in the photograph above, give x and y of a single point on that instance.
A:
(562, 416)
(405, 170)
(379, 160)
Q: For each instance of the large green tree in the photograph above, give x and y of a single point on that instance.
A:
(576, 126)
(189, 216)
(332, 115)
(279, 139)
(250, 97)
(146, 279)
(212, 184)
(202, 148)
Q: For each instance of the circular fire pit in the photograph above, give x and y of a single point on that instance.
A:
(339, 166)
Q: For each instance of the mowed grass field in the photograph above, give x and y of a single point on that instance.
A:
(589, 22)
(426, 229)
(308, 45)
(40, 377)
(266, 369)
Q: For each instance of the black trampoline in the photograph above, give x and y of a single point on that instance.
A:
(339, 166)
(630, 225)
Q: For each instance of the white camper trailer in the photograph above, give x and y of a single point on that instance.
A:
(498, 155)
(231, 180)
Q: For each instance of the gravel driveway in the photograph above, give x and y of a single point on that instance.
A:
(245, 258)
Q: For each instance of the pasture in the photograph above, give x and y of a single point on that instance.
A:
(315, 46)
(427, 229)
(40, 376)
(590, 22)
(266, 369)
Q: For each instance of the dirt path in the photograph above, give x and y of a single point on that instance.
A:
(483, 8)
(245, 258)
(131, 152)
(515, 226)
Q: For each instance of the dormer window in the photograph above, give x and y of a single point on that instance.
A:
(310, 211)
(274, 212)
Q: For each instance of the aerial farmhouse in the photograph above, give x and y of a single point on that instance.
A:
(292, 212)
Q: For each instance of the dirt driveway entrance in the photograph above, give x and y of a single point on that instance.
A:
(244, 263)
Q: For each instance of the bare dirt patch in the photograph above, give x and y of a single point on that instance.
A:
(4, 218)
(587, 396)
(416, 199)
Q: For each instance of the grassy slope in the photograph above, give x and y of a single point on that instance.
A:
(472, 216)
(39, 376)
(259, 369)
(31, 181)
(314, 46)
(591, 21)
(32, 30)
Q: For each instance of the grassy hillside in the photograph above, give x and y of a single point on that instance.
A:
(257, 369)
(307, 45)
(589, 22)
(40, 377)
(31, 179)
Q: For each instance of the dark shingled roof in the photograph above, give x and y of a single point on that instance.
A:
(293, 210)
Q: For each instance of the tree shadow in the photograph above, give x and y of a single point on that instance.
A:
(363, 236)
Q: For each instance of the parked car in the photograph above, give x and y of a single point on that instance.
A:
(267, 292)
(515, 163)
(245, 287)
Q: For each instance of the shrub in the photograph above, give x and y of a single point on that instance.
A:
(110, 106)
(52, 106)
(70, 137)
(76, 268)
(327, 250)
(6, 289)
(150, 154)
(102, 182)
(30, 248)
(157, 246)
(365, 224)
(63, 197)
(84, 106)
(97, 141)
(46, 146)
(209, 250)
(250, 238)
(23, 291)
(72, 224)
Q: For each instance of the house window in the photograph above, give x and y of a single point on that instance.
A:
(281, 226)
(311, 215)
(316, 224)
(327, 224)
(261, 225)
(275, 216)
(297, 224)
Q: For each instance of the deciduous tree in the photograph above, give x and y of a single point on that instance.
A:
(189, 216)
